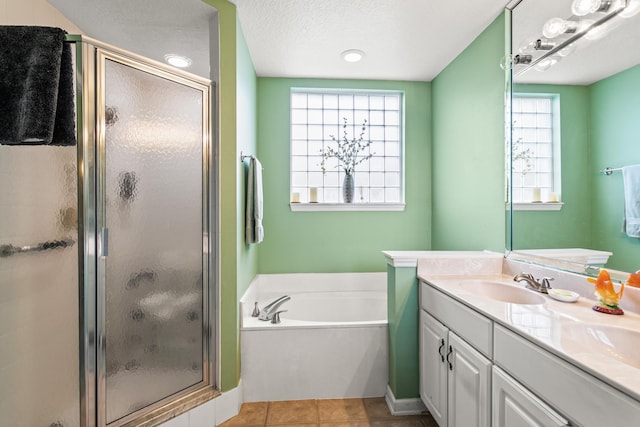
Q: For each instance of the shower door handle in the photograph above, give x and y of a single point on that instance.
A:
(103, 244)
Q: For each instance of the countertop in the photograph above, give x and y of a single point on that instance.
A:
(550, 325)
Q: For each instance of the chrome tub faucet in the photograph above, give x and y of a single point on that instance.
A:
(269, 311)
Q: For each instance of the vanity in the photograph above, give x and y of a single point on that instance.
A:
(493, 353)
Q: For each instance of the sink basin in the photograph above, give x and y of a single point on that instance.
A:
(502, 292)
(617, 343)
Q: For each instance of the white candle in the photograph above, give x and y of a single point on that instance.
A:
(313, 195)
(295, 197)
(535, 194)
(553, 197)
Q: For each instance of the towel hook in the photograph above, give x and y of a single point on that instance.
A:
(245, 156)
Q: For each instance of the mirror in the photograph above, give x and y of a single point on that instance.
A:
(574, 111)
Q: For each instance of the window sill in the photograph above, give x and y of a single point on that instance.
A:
(337, 207)
(541, 206)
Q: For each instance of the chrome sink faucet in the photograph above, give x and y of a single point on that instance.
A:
(269, 311)
(531, 283)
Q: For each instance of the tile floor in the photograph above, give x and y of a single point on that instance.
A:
(369, 412)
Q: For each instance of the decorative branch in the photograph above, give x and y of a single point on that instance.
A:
(347, 151)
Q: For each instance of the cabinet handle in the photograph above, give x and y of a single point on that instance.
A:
(449, 361)
(440, 349)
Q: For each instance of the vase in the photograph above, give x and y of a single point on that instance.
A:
(348, 188)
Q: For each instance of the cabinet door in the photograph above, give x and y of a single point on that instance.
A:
(469, 385)
(433, 368)
(515, 406)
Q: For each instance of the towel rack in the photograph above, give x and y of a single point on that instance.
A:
(609, 171)
(245, 156)
(8, 250)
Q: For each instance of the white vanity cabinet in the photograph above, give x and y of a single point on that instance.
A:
(454, 377)
(515, 406)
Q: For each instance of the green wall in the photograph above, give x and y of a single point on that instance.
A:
(468, 149)
(615, 119)
(246, 101)
(319, 242)
(403, 316)
(570, 227)
(235, 130)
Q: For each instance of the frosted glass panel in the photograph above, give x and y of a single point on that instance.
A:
(39, 383)
(153, 210)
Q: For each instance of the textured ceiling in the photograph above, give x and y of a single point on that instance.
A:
(402, 39)
(151, 28)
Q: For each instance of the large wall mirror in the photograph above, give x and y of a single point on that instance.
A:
(574, 119)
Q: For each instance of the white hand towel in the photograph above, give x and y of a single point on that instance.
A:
(254, 232)
(631, 179)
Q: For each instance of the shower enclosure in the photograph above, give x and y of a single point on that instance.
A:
(138, 292)
(150, 243)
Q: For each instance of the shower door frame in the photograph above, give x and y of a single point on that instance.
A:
(90, 57)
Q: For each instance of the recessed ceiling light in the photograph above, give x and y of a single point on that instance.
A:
(177, 60)
(352, 55)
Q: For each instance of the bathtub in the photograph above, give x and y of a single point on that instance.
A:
(331, 342)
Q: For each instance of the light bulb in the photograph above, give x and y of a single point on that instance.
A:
(584, 7)
(546, 63)
(352, 55)
(177, 60)
(528, 45)
(556, 26)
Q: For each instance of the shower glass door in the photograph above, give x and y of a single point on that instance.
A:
(153, 238)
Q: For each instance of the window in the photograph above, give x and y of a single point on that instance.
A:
(536, 148)
(318, 119)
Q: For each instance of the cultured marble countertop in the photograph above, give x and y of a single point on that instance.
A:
(550, 326)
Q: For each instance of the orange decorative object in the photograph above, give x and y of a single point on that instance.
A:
(607, 296)
(634, 279)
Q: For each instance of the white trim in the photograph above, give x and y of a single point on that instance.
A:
(228, 404)
(336, 207)
(399, 259)
(403, 406)
(543, 206)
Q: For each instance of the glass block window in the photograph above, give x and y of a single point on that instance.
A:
(536, 148)
(320, 116)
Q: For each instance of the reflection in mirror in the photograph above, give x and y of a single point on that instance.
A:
(575, 112)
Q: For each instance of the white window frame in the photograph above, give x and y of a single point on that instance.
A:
(392, 177)
(550, 185)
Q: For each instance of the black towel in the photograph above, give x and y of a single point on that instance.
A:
(36, 87)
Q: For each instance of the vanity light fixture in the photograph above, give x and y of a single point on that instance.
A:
(591, 19)
(352, 55)
(585, 7)
(177, 60)
(541, 44)
(557, 26)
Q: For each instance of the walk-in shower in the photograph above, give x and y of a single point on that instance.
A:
(138, 271)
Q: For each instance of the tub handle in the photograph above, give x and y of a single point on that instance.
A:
(440, 349)
(256, 310)
(276, 317)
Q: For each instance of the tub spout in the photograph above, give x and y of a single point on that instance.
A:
(268, 311)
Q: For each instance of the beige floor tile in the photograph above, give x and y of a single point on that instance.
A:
(346, 424)
(408, 421)
(341, 410)
(292, 412)
(251, 414)
(377, 408)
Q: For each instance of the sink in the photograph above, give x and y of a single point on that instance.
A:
(617, 343)
(502, 292)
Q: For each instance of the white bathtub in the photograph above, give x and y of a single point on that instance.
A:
(331, 343)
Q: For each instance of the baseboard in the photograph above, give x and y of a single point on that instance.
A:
(228, 404)
(404, 406)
